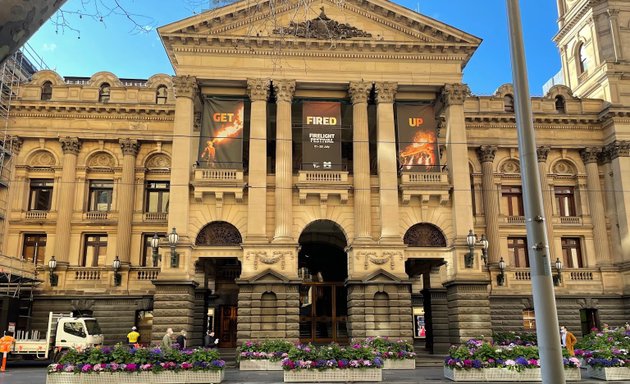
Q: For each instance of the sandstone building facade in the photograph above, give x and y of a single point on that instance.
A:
(322, 166)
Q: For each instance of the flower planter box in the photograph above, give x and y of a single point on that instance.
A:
(333, 375)
(260, 365)
(504, 374)
(136, 378)
(399, 364)
(609, 373)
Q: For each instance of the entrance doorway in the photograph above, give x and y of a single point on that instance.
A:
(323, 267)
(227, 328)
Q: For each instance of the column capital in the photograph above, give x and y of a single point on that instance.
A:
(385, 91)
(185, 86)
(359, 91)
(15, 144)
(454, 94)
(590, 154)
(617, 149)
(258, 89)
(486, 153)
(70, 145)
(542, 152)
(612, 13)
(284, 90)
(129, 147)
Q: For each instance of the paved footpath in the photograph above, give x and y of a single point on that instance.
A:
(37, 375)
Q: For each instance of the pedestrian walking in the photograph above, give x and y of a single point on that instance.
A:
(167, 342)
(568, 340)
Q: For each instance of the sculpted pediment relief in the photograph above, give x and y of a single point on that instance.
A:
(321, 27)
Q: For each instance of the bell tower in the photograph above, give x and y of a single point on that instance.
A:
(594, 44)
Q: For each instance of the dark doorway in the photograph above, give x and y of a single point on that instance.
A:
(227, 328)
(221, 298)
(323, 267)
(589, 319)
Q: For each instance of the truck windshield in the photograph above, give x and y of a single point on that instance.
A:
(92, 327)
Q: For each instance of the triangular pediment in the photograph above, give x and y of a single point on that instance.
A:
(268, 276)
(381, 276)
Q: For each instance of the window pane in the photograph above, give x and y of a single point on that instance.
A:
(529, 319)
(40, 196)
(34, 249)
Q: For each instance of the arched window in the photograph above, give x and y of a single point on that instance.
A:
(582, 59)
(424, 235)
(46, 91)
(508, 103)
(161, 95)
(103, 93)
(560, 104)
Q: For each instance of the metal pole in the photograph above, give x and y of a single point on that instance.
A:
(547, 330)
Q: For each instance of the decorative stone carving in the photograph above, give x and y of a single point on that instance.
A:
(385, 92)
(219, 233)
(424, 235)
(197, 122)
(321, 28)
(258, 89)
(70, 145)
(269, 259)
(185, 86)
(542, 152)
(158, 161)
(487, 153)
(590, 155)
(510, 166)
(564, 167)
(454, 94)
(617, 149)
(101, 160)
(359, 91)
(129, 147)
(284, 90)
(82, 304)
(42, 159)
(13, 144)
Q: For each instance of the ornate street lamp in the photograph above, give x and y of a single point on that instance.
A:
(484, 248)
(173, 238)
(469, 258)
(117, 276)
(155, 245)
(52, 264)
(501, 275)
(558, 278)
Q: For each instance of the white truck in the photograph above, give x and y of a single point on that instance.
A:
(64, 331)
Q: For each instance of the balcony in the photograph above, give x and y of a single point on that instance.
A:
(155, 217)
(425, 185)
(36, 215)
(323, 184)
(587, 280)
(570, 220)
(218, 182)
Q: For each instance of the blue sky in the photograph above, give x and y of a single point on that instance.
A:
(113, 45)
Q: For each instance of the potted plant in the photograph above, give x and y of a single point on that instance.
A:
(147, 365)
(329, 363)
(262, 355)
(606, 354)
(396, 354)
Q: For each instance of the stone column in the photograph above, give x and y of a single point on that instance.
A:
(126, 194)
(611, 206)
(359, 92)
(590, 157)
(613, 19)
(486, 155)
(619, 154)
(182, 154)
(284, 90)
(387, 162)
(258, 91)
(71, 147)
(453, 97)
(548, 195)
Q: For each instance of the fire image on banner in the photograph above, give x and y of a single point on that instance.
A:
(321, 135)
(221, 144)
(417, 138)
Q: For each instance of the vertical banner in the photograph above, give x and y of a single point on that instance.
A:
(221, 144)
(321, 135)
(417, 138)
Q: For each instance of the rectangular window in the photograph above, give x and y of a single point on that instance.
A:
(34, 248)
(94, 250)
(157, 195)
(512, 200)
(529, 320)
(571, 252)
(565, 201)
(101, 192)
(147, 250)
(40, 196)
(517, 250)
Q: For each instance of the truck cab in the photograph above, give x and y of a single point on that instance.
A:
(78, 332)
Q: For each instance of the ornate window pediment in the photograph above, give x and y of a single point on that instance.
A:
(424, 235)
(219, 233)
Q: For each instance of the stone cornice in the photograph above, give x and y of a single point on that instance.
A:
(576, 17)
(45, 109)
(94, 112)
(562, 123)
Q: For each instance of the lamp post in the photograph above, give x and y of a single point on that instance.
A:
(469, 258)
(558, 278)
(117, 276)
(501, 275)
(155, 244)
(52, 264)
(484, 248)
(173, 238)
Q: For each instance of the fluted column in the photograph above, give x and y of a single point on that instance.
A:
(71, 147)
(548, 194)
(611, 206)
(619, 154)
(486, 155)
(453, 97)
(590, 157)
(284, 90)
(387, 167)
(182, 154)
(258, 91)
(359, 92)
(126, 193)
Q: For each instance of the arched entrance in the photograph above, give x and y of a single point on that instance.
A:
(323, 266)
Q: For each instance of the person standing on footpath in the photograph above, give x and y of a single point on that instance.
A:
(132, 337)
(209, 340)
(167, 343)
(181, 340)
(568, 340)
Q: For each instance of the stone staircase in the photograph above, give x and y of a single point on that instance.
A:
(229, 356)
(425, 359)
